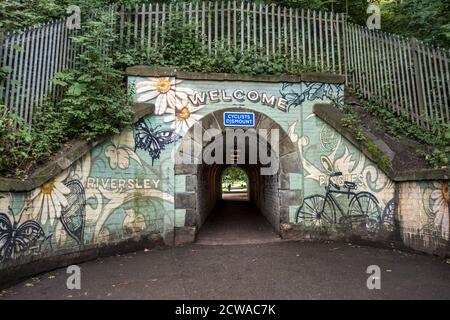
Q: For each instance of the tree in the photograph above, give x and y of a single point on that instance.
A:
(233, 174)
(425, 20)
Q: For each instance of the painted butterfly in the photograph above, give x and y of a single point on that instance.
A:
(151, 140)
(17, 239)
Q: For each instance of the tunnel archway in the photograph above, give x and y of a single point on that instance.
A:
(235, 184)
(270, 194)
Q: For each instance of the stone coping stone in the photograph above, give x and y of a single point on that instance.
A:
(64, 159)
(333, 116)
(149, 71)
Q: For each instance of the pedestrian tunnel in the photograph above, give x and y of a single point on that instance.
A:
(264, 155)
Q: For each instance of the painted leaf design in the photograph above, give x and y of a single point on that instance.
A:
(285, 85)
(27, 235)
(74, 214)
(6, 230)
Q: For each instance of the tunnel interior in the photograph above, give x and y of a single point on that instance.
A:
(263, 208)
(262, 196)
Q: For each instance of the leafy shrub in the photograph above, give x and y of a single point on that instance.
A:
(184, 49)
(49, 133)
(131, 57)
(94, 101)
(182, 45)
(15, 143)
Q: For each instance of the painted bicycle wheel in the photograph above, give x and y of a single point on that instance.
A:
(316, 211)
(364, 208)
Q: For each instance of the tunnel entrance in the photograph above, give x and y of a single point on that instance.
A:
(238, 216)
(235, 184)
(246, 197)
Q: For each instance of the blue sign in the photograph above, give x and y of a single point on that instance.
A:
(239, 119)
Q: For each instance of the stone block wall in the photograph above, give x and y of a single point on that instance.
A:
(423, 214)
(270, 203)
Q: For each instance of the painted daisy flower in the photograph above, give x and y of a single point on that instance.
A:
(183, 117)
(165, 90)
(440, 208)
(49, 199)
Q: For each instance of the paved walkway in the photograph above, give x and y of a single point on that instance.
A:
(281, 270)
(236, 222)
(239, 256)
(235, 195)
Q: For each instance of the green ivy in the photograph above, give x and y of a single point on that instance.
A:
(435, 141)
(352, 121)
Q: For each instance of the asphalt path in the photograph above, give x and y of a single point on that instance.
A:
(277, 270)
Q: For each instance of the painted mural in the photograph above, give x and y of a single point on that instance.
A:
(112, 194)
(342, 188)
(366, 198)
(425, 210)
(124, 188)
